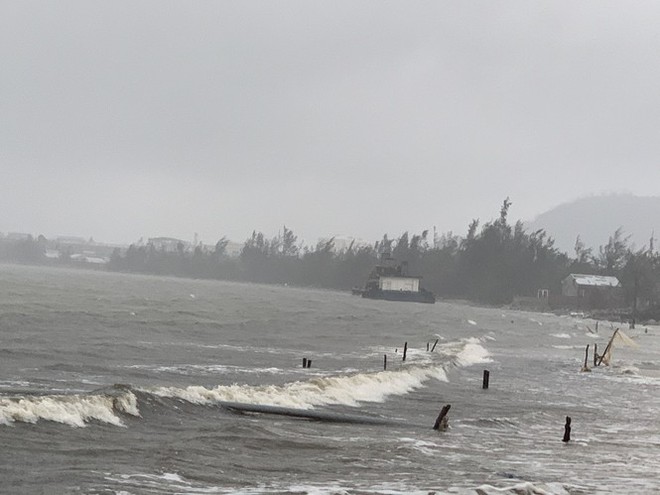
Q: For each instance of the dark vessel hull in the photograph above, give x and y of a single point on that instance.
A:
(423, 296)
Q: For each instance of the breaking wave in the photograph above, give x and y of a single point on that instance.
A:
(74, 410)
(472, 353)
(108, 405)
(343, 390)
(348, 390)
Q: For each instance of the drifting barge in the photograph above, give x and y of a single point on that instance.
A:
(390, 281)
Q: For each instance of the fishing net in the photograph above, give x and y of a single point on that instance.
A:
(619, 338)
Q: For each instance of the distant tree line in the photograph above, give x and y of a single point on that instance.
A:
(493, 262)
(24, 250)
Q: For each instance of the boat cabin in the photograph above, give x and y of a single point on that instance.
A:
(410, 284)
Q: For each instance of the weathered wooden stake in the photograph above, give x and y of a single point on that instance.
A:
(309, 363)
(595, 355)
(434, 344)
(486, 379)
(405, 350)
(567, 430)
(304, 362)
(607, 348)
(427, 347)
(442, 420)
(586, 359)
(384, 362)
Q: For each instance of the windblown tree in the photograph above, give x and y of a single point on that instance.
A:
(254, 258)
(499, 262)
(439, 266)
(639, 277)
(612, 256)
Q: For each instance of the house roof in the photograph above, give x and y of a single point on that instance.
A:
(595, 280)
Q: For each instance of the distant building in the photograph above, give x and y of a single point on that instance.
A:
(168, 244)
(17, 236)
(52, 254)
(70, 240)
(592, 291)
(233, 249)
(94, 260)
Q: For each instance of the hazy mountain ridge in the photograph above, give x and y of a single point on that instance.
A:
(595, 219)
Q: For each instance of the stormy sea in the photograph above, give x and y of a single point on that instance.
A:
(120, 384)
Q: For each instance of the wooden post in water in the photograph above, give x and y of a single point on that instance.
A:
(567, 430)
(442, 420)
(595, 355)
(309, 363)
(405, 350)
(486, 379)
(434, 344)
(304, 362)
(427, 347)
(384, 362)
(586, 359)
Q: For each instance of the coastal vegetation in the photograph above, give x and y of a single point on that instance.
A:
(493, 263)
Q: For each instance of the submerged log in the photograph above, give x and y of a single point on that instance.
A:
(327, 416)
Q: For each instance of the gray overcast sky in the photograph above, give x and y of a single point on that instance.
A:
(125, 119)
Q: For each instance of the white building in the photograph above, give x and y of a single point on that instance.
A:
(578, 285)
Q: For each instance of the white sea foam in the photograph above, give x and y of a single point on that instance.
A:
(523, 489)
(560, 335)
(422, 446)
(472, 322)
(473, 353)
(169, 481)
(73, 410)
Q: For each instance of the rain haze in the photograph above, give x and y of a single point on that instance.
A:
(185, 303)
(122, 120)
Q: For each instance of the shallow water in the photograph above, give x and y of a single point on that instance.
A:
(112, 383)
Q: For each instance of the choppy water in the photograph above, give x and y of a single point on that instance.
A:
(111, 384)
